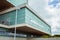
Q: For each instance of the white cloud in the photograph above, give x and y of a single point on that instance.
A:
(49, 9)
(46, 1)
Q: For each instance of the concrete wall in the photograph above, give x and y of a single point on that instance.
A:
(11, 38)
(44, 39)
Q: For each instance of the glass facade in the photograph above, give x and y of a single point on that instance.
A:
(25, 16)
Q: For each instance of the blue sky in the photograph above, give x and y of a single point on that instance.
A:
(49, 10)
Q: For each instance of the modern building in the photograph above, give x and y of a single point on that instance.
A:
(22, 17)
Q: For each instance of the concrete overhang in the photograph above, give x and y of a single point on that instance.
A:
(24, 28)
(4, 5)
